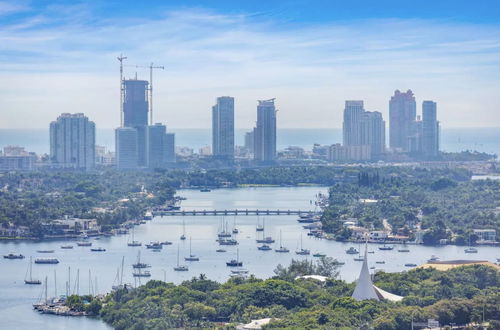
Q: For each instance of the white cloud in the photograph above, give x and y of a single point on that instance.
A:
(64, 59)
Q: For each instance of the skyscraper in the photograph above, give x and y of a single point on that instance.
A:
(402, 114)
(373, 132)
(249, 141)
(265, 132)
(351, 127)
(126, 148)
(135, 111)
(72, 141)
(170, 147)
(363, 132)
(156, 136)
(223, 127)
(430, 130)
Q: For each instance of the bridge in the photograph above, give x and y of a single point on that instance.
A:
(231, 212)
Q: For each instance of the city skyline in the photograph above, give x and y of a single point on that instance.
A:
(66, 52)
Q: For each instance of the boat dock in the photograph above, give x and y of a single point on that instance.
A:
(231, 212)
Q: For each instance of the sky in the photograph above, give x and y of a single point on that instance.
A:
(311, 55)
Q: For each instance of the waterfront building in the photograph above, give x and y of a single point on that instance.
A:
(485, 235)
(223, 127)
(265, 132)
(126, 148)
(430, 130)
(402, 114)
(72, 142)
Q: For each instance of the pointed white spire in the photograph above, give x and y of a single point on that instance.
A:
(364, 286)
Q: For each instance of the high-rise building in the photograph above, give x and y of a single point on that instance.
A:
(265, 132)
(373, 132)
(402, 114)
(156, 146)
(72, 142)
(249, 141)
(160, 146)
(223, 127)
(126, 148)
(170, 147)
(135, 103)
(351, 127)
(363, 133)
(135, 113)
(430, 130)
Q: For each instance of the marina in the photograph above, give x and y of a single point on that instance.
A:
(17, 298)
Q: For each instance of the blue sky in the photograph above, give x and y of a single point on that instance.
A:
(60, 56)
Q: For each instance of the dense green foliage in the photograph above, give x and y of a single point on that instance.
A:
(445, 202)
(457, 296)
(30, 199)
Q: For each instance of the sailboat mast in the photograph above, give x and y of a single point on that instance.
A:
(55, 284)
(46, 299)
(123, 260)
(31, 266)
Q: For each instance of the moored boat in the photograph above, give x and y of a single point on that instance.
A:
(352, 250)
(46, 261)
(45, 251)
(13, 256)
(98, 249)
(264, 247)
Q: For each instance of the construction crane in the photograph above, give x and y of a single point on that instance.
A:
(121, 58)
(150, 67)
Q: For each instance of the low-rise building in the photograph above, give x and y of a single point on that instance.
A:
(485, 235)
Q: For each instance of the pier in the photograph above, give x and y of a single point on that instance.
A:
(231, 212)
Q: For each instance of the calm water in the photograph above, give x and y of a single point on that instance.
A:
(453, 139)
(16, 298)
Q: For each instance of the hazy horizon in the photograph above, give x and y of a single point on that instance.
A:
(310, 55)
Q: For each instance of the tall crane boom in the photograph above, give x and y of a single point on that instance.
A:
(121, 58)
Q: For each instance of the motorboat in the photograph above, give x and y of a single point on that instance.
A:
(226, 241)
(264, 247)
(470, 250)
(13, 256)
(46, 261)
(99, 249)
(410, 265)
(386, 248)
(84, 243)
(220, 250)
(319, 255)
(266, 240)
(66, 247)
(380, 262)
(139, 273)
(45, 251)
(351, 250)
(154, 245)
(403, 250)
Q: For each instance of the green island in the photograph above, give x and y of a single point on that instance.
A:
(463, 295)
(409, 204)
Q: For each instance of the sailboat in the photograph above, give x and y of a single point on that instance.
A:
(235, 262)
(191, 257)
(134, 242)
(302, 251)
(31, 280)
(140, 264)
(183, 236)
(224, 232)
(282, 249)
(235, 230)
(259, 227)
(470, 249)
(265, 240)
(180, 268)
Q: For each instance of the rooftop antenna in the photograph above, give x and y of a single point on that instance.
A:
(121, 58)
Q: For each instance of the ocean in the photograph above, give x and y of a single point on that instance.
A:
(452, 139)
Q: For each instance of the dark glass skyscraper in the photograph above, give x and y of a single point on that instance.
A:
(135, 113)
(265, 132)
(223, 127)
